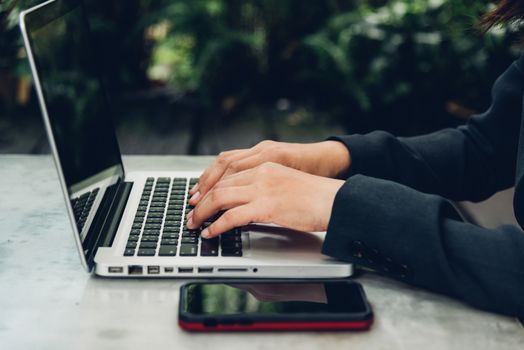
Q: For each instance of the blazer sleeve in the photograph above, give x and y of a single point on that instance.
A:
(470, 162)
(420, 238)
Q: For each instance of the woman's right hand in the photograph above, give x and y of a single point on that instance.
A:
(327, 158)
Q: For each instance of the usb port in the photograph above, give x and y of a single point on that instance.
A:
(116, 269)
(135, 269)
(205, 270)
(153, 270)
(185, 269)
(169, 269)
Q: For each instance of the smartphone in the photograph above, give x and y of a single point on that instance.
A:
(274, 306)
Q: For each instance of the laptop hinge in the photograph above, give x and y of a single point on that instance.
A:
(105, 223)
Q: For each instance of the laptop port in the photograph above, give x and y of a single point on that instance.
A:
(169, 269)
(153, 270)
(135, 269)
(232, 270)
(205, 270)
(115, 269)
(185, 270)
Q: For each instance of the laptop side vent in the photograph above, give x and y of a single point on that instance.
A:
(105, 223)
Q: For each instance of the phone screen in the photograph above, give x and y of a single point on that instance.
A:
(212, 299)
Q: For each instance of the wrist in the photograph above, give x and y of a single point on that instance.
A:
(335, 159)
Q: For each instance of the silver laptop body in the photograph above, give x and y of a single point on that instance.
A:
(132, 224)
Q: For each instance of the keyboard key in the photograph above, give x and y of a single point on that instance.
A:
(154, 220)
(149, 239)
(209, 252)
(209, 248)
(189, 239)
(231, 238)
(168, 250)
(169, 235)
(177, 198)
(129, 252)
(131, 245)
(133, 238)
(147, 245)
(188, 250)
(146, 252)
(152, 232)
(174, 215)
(152, 226)
(231, 245)
(171, 241)
(172, 223)
(213, 241)
(232, 252)
(234, 232)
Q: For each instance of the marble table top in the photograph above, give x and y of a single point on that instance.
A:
(47, 301)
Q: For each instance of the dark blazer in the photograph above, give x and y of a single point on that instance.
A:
(392, 214)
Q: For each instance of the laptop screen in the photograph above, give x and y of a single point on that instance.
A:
(76, 112)
(74, 97)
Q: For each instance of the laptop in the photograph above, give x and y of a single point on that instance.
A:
(132, 224)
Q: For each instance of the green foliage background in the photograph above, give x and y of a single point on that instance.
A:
(407, 66)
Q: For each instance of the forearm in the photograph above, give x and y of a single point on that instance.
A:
(421, 240)
(467, 163)
(458, 164)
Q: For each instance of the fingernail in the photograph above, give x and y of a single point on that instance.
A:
(190, 222)
(190, 214)
(194, 188)
(205, 233)
(195, 196)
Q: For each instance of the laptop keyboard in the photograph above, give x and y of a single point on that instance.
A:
(159, 227)
(82, 206)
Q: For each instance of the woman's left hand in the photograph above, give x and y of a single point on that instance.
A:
(268, 193)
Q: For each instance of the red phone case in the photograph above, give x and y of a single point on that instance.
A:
(278, 326)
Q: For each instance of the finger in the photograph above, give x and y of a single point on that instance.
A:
(217, 200)
(243, 164)
(209, 180)
(235, 217)
(210, 168)
(242, 178)
(193, 189)
(212, 174)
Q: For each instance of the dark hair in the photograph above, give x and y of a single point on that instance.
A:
(506, 12)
